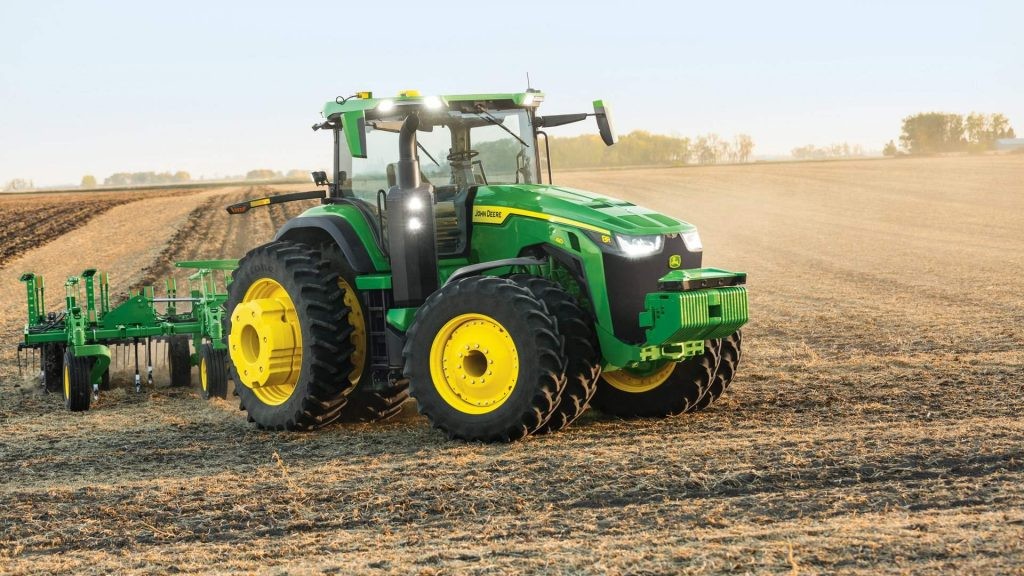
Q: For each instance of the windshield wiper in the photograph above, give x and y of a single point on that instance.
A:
(424, 150)
(483, 113)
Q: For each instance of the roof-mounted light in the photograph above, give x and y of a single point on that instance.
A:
(528, 100)
(432, 103)
(386, 106)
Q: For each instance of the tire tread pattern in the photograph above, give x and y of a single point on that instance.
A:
(580, 348)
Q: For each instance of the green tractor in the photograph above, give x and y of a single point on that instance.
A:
(440, 265)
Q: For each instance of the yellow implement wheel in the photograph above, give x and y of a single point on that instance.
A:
(474, 363)
(358, 336)
(202, 373)
(266, 341)
(636, 383)
(67, 382)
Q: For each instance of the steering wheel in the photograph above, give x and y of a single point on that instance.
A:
(463, 156)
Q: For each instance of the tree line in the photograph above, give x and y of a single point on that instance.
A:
(937, 132)
(639, 148)
(829, 152)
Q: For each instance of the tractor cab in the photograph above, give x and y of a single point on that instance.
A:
(462, 141)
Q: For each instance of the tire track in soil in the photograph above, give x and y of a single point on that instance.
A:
(212, 233)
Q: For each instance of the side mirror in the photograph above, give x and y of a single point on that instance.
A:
(319, 178)
(603, 114)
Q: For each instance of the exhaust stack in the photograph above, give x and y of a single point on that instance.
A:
(412, 241)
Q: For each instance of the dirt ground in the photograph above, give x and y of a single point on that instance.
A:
(874, 425)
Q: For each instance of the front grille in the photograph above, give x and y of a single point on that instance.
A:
(629, 280)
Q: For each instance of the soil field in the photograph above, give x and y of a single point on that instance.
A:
(874, 425)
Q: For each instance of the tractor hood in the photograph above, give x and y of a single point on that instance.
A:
(572, 207)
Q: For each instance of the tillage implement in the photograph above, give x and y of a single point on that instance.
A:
(75, 344)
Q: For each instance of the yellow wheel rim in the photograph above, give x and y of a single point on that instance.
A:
(202, 373)
(636, 383)
(474, 364)
(67, 382)
(358, 337)
(266, 342)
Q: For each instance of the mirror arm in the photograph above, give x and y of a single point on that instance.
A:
(547, 153)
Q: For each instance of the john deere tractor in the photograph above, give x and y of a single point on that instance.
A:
(442, 263)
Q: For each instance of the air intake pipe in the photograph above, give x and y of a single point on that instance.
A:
(412, 242)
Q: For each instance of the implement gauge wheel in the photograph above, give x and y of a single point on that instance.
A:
(213, 372)
(484, 360)
(179, 361)
(367, 402)
(77, 388)
(53, 366)
(288, 337)
(663, 390)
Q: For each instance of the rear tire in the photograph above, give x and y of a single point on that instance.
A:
(484, 362)
(312, 395)
(727, 366)
(77, 387)
(53, 366)
(667, 390)
(367, 402)
(179, 361)
(582, 352)
(213, 372)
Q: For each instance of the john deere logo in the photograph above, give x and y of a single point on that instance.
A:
(675, 261)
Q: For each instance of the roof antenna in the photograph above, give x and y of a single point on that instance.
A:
(528, 87)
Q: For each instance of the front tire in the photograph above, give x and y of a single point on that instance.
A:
(582, 351)
(666, 390)
(483, 358)
(368, 401)
(727, 366)
(288, 338)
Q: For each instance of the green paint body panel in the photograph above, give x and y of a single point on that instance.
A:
(401, 318)
(359, 225)
(374, 282)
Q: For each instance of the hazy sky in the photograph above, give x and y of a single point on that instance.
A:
(220, 88)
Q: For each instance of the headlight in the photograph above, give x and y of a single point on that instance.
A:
(639, 246)
(692, 241)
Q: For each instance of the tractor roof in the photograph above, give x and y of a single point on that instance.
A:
(374, 107)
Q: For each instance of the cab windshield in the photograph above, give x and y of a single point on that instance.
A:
(457, 150)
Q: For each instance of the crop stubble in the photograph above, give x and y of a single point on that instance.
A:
(873, 427)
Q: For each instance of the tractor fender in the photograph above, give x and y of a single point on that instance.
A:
(317, 230)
